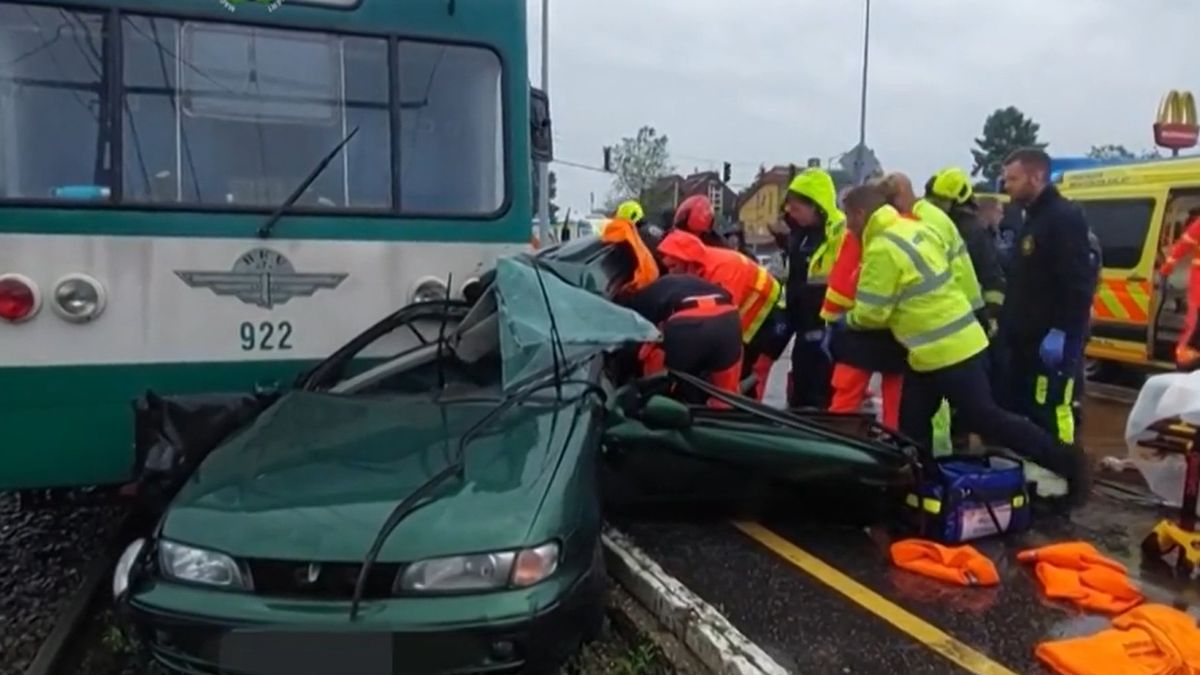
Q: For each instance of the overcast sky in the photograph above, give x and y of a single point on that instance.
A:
(777, 81)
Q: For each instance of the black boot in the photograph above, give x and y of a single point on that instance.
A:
(1077, 470)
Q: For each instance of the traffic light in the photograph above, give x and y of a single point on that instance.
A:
(726, 172)
(608, 159)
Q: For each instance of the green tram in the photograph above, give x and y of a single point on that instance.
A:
(160, 226)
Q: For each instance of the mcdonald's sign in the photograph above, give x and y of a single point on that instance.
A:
(1176, 127)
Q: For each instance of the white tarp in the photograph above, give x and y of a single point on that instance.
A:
(1166, 396)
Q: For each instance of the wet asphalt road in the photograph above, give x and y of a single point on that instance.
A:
(810, 627)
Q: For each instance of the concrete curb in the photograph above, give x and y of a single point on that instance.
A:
(702, 629)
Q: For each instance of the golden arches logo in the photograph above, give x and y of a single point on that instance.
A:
(1176, 126)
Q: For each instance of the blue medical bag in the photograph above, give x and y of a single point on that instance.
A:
(963, 497)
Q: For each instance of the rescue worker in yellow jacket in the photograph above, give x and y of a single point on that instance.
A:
(900, 195)
(816, 228)
(906, 285)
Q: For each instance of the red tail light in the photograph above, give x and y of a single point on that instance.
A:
(18, 298)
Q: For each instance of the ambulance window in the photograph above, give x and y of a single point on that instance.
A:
(1121, 226)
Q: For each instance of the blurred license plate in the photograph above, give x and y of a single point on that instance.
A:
(290, 652)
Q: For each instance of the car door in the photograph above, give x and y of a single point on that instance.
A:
(670, 449)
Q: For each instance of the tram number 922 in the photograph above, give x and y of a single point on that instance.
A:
(265, 336)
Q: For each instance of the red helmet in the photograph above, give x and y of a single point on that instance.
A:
(695, 214)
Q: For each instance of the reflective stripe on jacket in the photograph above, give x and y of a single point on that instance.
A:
(753, 289)
(839, 294)
(956, 250)
(905, 284)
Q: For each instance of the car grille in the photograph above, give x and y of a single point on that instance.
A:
(334, 581)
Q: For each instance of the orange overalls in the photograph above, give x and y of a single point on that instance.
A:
(850, 382)
(1187, 350)
(697, 340)
(755, 292)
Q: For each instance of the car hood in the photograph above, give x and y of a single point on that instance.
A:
(317, 474)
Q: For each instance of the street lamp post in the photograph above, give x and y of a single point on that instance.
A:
(859, 159)
(543, 205)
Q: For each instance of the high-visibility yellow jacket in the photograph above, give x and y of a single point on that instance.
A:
(817, 185)
(956, 250)
(905, 284)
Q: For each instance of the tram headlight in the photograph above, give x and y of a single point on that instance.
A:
(199, 566)
(429, 290)
(78, 298)
(19, 298)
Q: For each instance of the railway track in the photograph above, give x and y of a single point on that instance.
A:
(61, 651)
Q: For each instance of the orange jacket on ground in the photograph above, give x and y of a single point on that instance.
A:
(1148, 640)
(1078, 573)
(618, 231)
(1184, 246)
(961, 565)
(754, 290)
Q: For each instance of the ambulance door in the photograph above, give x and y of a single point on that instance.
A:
(1170, 299)
(1123, 222)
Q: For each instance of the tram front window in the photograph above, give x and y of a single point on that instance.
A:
(52, 98)
(235, 115)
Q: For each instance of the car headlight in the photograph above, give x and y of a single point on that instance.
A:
(124, 569)
(199, 566)
(481, 571)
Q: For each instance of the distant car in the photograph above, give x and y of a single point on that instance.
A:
(408, 507)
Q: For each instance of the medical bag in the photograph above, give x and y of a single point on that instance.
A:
(958, 498)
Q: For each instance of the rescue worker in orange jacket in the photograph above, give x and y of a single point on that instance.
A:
(857, 354)
(1187, 350)
(701, 331)
(754, 291)
(695, 216)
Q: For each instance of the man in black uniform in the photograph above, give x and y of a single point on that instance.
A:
(1047, 307)
(702, 334)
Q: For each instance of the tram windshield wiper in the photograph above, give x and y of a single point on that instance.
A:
(264, 230)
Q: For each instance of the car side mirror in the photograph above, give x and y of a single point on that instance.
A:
(662, 412)
(541, 137)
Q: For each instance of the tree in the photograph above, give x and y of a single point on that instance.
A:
(553, 180)
(639, 162)
(1119, 152)
(1005, 130)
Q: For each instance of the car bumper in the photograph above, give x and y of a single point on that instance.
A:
(202, 632)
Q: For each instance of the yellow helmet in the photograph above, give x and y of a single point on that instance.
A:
(631, 211)
(952, 183)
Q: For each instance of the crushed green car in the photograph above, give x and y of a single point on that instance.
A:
(429, 498)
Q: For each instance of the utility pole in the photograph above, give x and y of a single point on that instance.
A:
(862, 111)
(543, 205)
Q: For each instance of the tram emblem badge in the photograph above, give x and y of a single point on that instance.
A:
(262, 277)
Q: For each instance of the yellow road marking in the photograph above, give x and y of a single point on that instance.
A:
(928, 634)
